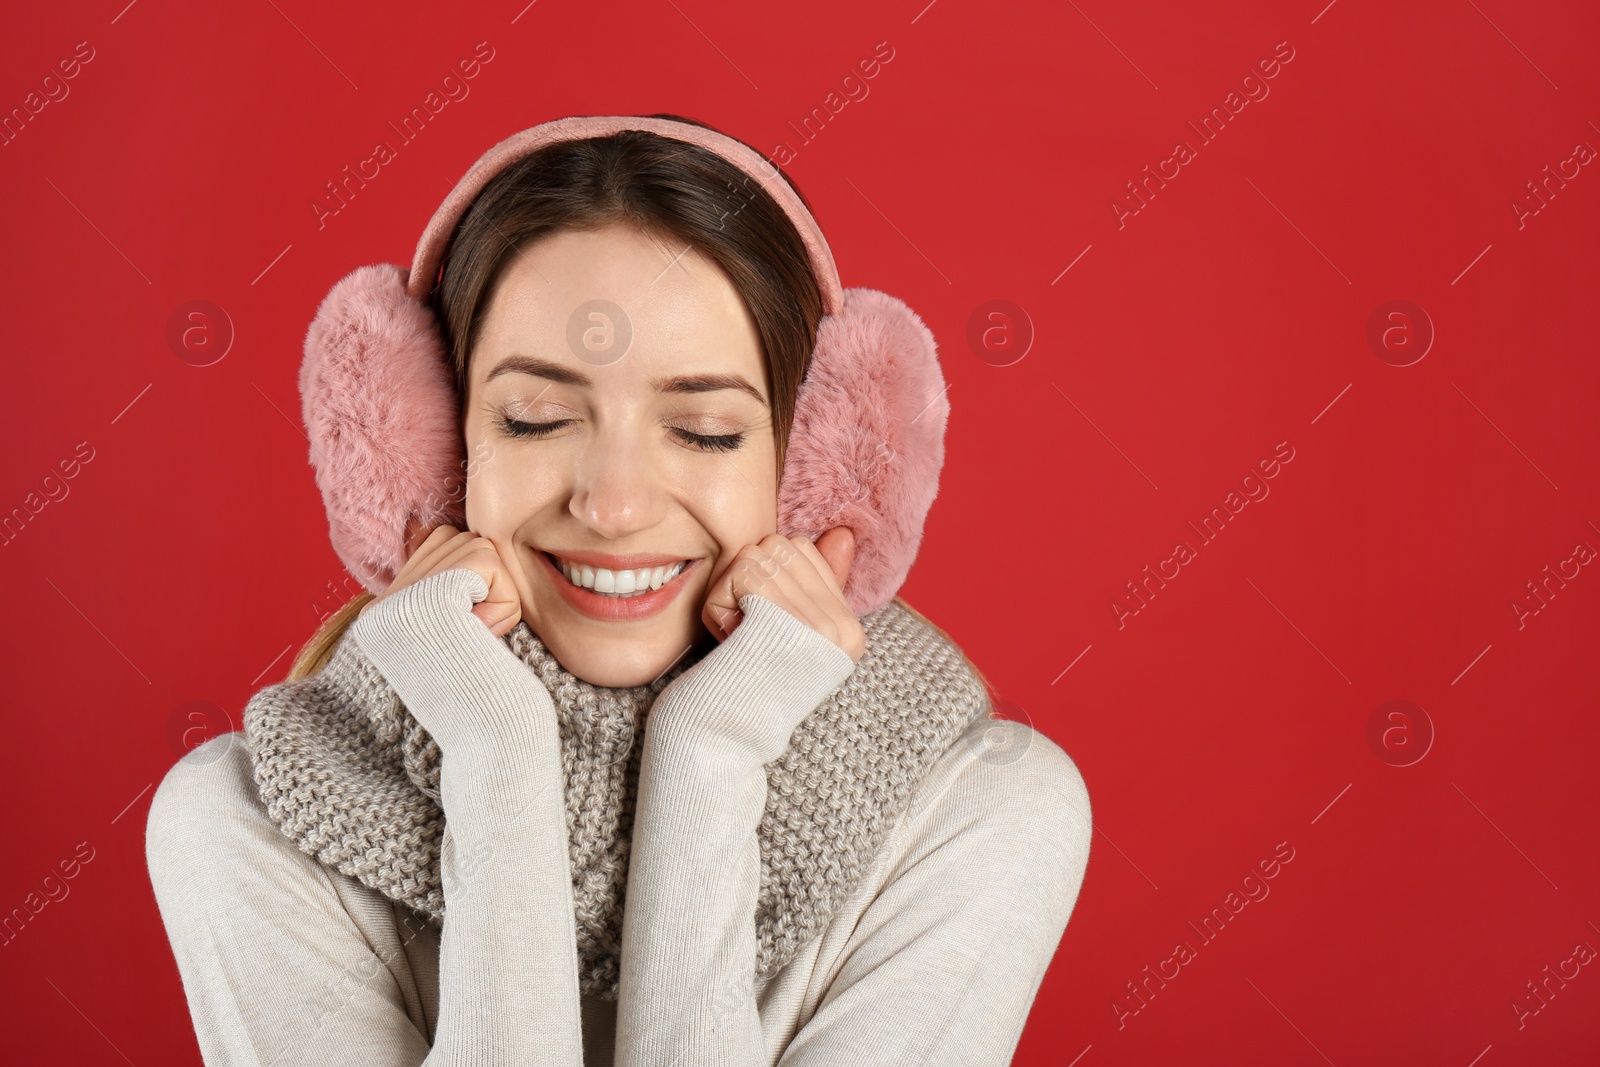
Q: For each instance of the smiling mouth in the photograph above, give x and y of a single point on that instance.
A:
(620, 584)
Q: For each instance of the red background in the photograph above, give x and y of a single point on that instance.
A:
(1230, 314)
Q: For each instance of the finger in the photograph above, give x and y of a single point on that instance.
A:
(789, 579)
(482, 556)
(843, 628)
(467, 553)
(720, 621)
(496, 618)
(503, 591)
(720, 613)
(830, 567)
(822, 602)
(450, 552)
(503, 597)
(809, 595)
(838, 547)
(432, 546)
(407, 571)
(438, 536)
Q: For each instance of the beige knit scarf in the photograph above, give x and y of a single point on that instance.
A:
(351, 777)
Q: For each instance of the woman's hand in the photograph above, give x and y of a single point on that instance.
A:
(446, 548)
(804, 579)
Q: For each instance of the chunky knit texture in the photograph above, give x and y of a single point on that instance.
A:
(349, 775)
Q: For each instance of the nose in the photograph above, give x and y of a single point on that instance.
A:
(616, 489)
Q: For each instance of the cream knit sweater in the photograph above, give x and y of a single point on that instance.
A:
(934, 959)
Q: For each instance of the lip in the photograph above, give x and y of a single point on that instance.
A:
(611, 608)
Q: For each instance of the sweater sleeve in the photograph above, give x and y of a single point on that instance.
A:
(944, 965)
(508, 960)
(686, 993)
(275, 969)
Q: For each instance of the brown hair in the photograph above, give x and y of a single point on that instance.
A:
(667, 188)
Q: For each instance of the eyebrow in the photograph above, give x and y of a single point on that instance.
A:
(677, 383)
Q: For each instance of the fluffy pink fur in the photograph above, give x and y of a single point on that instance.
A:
(380, 409)
(868, 441)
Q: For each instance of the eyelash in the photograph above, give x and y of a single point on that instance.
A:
(535, 430)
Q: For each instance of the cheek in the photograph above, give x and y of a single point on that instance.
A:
(737, 508)
(500, 495)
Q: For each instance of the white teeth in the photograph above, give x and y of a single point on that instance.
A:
(619, 583)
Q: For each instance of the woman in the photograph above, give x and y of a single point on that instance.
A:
(618, 680)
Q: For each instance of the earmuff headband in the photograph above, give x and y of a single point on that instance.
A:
(430, 249)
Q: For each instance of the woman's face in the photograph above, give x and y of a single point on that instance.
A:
(650, 366)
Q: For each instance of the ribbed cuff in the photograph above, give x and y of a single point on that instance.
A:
(463, 684)
(753, 689)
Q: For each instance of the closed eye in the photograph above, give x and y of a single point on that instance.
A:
(535, 430)
(516, 428)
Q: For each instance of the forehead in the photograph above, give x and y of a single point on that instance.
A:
(578, 296)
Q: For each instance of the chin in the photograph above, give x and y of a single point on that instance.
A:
(615, 664)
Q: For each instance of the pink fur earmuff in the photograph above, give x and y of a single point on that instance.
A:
(380, 405)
